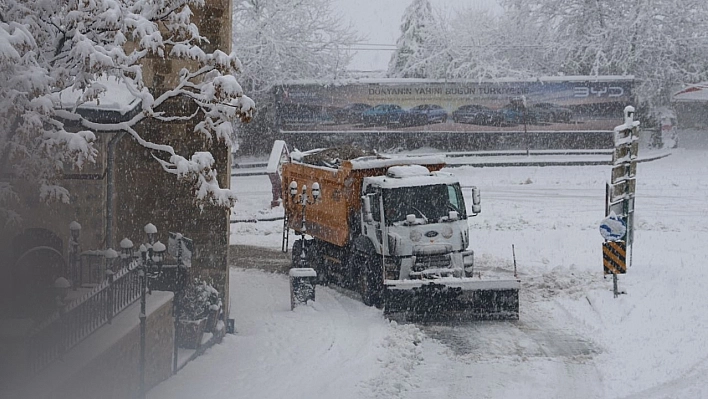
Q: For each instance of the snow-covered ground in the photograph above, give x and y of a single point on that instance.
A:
(573, 339)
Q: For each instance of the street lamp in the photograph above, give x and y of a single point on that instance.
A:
(151, 232)
(304, 200)
(158, 254)
(75, 229)
(111, 255)
(126, 251)
(142, 274)
(151, 254)
(61, 290)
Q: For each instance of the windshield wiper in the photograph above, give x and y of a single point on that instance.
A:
(453, 207)
(425, 219)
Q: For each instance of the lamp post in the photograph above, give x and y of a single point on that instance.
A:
(126, 251)
(158, 252)
(151, 232)
(179, 290)
(151, 254)
(75, 229)
(61, 289)
(111, 255)
(304, 199)
(143, 292)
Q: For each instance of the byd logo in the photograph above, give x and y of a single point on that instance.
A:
(609, 91)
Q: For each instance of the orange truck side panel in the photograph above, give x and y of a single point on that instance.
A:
(340, 198)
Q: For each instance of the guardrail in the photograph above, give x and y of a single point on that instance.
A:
(77, 320)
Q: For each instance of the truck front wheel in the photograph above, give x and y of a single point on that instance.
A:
(370, 279)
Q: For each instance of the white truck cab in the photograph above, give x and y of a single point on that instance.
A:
(417, 221)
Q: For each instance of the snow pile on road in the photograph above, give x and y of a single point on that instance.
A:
(402, 354)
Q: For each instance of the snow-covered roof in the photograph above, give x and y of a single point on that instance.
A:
(370, 162)
(116, 98)
(409, 181)
(333, 161)
(696, 92)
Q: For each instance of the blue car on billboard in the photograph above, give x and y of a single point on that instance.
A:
(515, 114)
(386, 114)
(427, 113)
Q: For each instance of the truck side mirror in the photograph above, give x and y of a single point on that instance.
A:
(476, 200)
(368, 217)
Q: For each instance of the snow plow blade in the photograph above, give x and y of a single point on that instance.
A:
(453, 299)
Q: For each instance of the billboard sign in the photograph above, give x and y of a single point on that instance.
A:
(578, 103)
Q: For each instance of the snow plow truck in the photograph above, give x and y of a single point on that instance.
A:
(395, 229)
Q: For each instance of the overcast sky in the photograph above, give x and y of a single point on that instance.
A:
(380, 20)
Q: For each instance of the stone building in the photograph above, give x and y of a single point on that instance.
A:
(126, 188)
(113, 199)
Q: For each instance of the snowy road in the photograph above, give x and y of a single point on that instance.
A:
(573, 339)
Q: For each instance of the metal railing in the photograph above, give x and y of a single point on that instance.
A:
(74, 322)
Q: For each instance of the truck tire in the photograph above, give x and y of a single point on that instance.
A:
(316, 261)
(370, 283)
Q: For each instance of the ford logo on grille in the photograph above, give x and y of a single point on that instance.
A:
(431, 233)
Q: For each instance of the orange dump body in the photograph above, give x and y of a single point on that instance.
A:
(331, 218)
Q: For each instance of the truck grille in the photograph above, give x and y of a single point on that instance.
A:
(423, 262)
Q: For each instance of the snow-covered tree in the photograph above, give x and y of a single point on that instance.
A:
(280, 40)
(416, 48)
(482, 46)
(51, 46)
(662, 43)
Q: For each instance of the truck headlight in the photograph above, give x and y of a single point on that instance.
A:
(447, 232)
(416, 235)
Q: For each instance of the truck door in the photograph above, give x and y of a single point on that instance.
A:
(372, 227)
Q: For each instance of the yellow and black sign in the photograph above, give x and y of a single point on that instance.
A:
(614, 257)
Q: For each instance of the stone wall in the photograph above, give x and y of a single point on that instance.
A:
(143, 193)
(104, 365)
(146, 194)
(114, 373)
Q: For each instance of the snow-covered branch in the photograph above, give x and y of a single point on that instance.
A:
(53, 50)
(281, 40)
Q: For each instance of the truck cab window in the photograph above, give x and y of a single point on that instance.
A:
(375, 205)
(457, 202)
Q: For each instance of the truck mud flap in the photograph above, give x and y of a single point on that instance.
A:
(438, 302)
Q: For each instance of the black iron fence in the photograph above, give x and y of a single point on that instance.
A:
(110, 291)
(74, 322)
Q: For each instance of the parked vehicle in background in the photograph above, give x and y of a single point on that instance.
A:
(386, 114)
(549, 112)
(428, 113)
(516, 114)
(351, 113)
(303, 115)
(478, 115)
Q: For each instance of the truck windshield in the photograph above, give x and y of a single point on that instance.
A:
(431, 203)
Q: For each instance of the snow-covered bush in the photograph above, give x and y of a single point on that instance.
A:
(200, 298)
